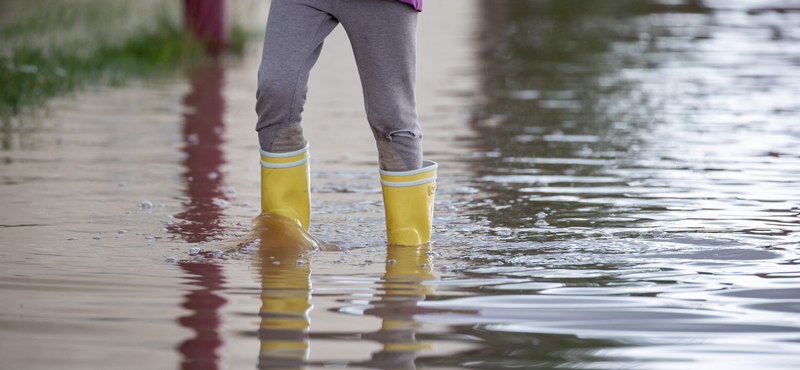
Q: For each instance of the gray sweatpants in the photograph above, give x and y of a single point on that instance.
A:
(383, 36)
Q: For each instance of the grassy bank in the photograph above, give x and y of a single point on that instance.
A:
(38, 62)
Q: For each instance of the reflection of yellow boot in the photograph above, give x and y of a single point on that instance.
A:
(285, 185)
(285, 297)
(404, 286)
(404, 279)
(408, 198)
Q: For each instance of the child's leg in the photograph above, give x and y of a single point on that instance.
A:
(293, 40)
(383, 36)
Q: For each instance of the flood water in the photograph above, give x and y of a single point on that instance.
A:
(619, 188)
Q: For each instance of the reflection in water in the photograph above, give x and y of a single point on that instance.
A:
(407, 270)
(202, 133)
(200, 352)
(203, 126)
(285, 296)
(282, 260)
(628, 114)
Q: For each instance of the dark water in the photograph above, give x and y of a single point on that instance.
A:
(622, 117)
(644, 165)
(622, 194)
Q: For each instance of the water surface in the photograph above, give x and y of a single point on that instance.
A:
(617, 190)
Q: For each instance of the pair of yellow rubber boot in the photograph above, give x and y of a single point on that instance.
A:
(407, 195)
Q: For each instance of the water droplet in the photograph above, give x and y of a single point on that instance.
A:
(201, 244)
(425, 266)
(171, 259)
(150, 237)
(541, 223)
(146, 204)
(301, 262)
(194, 250)
(390, 262)
(96, 237)
(541, 215)
(276, 263)
(123, 232)
(231, 190)
(245, 205)
(72, 239)
(213, 175)
(217, 253)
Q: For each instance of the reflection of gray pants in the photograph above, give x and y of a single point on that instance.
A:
(383, 36)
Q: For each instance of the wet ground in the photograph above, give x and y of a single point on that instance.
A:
(618, 189)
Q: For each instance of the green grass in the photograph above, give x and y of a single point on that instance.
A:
(30, 75)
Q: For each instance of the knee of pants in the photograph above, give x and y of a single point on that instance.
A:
(277, 104)
(276, 90)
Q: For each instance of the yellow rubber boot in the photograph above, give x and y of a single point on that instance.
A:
(408, 200)
(285, 185)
